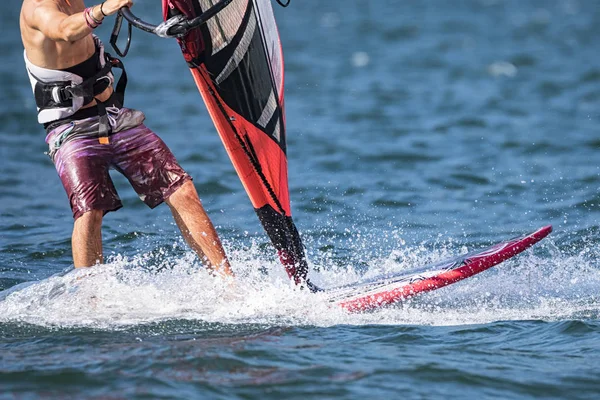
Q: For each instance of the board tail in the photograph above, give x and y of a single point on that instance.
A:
(236, 61)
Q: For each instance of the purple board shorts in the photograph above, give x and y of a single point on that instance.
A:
(82, 163)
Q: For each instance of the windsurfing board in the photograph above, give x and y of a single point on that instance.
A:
(386, 290)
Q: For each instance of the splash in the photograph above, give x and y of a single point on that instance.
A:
(541, 284)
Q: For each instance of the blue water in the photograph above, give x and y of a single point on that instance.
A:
(416, 131)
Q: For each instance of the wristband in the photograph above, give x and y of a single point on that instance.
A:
(87, 14)
(96, 21)
(101, 10)
(87, 21)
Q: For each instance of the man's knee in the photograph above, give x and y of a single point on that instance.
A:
(184, 195)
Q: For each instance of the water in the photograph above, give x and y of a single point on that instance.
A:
(417, 130)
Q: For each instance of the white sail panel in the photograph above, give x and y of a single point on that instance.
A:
(266, 19)
(226, 24)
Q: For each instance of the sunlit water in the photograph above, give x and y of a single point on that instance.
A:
(417, 131)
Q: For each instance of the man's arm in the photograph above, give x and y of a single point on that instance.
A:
(58, 26)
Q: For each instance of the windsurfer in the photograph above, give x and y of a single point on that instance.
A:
(89, 130)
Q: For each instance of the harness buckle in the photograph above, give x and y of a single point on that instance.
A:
(61, 94)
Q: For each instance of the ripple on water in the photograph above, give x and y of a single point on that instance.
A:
(415, 131)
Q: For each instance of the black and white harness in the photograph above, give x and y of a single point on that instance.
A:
(60, 94)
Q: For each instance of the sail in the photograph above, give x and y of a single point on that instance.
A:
(236, 61)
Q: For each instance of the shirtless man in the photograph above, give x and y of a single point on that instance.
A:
(89, 130)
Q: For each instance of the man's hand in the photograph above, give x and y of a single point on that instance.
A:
(110, 7)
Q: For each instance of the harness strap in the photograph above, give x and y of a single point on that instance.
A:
(122, 83)
(63, 93)
(104, 127)
(86, 88)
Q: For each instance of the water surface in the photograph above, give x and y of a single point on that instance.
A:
(416, 131)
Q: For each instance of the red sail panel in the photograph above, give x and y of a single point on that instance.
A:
(237, 63)
(237, 142)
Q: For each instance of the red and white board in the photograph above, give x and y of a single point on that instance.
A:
(385, 290)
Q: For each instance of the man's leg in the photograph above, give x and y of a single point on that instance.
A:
(197, 228)
(82, 164)
(87, 239)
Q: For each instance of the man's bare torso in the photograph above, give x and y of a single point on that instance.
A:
(51, 54)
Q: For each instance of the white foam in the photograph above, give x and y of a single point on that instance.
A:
(127, 291)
